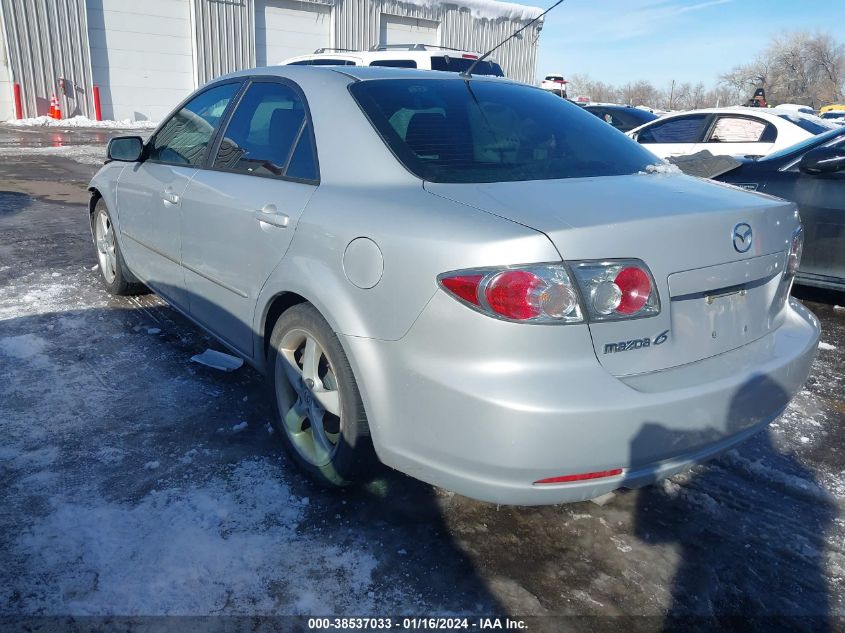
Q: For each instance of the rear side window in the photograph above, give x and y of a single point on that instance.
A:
(395, 63)
(622, 119)
(447, 130)
(462, 64)
(742, 130)
(682, 129)
(184, 138)
(267, 130)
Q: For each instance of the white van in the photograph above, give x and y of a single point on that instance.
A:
(422, 56)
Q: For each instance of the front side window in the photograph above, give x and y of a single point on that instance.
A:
(742, 130)
(185, 137)
(267, 129)
(682, 129)
(446, 130)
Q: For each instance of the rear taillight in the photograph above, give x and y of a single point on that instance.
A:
(796, 248)
(617, 289)
(547, 293)
(541, 293)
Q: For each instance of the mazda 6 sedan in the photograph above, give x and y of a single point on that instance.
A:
(470, 280)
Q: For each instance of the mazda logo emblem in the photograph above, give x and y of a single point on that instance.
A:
(742, 237)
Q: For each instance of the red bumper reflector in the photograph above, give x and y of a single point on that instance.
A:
(567, 478)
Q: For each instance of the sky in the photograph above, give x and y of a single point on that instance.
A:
(617, 41)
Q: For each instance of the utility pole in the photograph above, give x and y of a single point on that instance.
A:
(671, 95)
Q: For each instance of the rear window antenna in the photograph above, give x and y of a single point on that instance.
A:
(468, 72)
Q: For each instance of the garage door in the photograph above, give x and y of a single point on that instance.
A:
(400, 30)
(141, 56)
(285, 28)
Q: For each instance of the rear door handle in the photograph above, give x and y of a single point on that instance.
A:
(270, 215)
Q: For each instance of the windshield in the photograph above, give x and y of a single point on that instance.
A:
(806, 144)
(485, 131)
(462, 64)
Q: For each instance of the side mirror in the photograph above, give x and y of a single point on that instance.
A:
(127, 149)
(823, 160)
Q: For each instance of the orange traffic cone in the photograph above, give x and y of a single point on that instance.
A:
(58, 110)
(53, 107)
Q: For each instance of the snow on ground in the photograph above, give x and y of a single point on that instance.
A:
(135, 504)
(170, 551)
(86, 154)
(80, 121)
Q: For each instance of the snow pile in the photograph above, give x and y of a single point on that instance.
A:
(826, 346)
(484, 9)
(662, 168)
(80, 121)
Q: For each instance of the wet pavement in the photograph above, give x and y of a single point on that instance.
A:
(129, 484)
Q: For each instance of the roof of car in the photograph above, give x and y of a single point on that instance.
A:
(766, 113)
(360, 73)
(390, 53)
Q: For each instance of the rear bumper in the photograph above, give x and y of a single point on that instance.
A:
(485, 408)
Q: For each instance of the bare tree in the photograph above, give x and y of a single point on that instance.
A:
(796, 67)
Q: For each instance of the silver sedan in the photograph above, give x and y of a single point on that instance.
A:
(468, 279)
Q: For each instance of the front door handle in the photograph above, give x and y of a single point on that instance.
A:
(270, 215)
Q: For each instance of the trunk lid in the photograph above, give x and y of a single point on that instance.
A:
(712, 297)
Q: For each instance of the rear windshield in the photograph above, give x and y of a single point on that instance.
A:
(805, 123)
(484, 131)
(813, 141)
(461, 64)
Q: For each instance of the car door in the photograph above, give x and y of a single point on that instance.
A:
(149, 192)
(238, 216)
(677, 136)
(821, 203)
(740, 135)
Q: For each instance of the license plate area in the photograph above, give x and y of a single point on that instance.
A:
(717, 321)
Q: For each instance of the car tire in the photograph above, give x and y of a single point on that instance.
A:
(311, 378)
(116, 276)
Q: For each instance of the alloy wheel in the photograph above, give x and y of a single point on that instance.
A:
(106, 249)
(305, 375)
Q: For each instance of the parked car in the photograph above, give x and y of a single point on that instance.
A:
(389, 247)
(834, 116)
(737, 131)
(422, 56)
(555, 83)
(624, 118)
(797, 107)
(811, 174)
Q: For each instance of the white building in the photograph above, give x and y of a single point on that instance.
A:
(146, 55)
